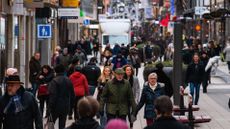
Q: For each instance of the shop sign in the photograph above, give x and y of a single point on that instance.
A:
(70, 3)
(69, 13)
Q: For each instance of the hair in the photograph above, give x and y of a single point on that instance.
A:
(126, 66)
(102, 78)
(116, 124)
(88, 107)
(152, 74)
(47, 67)
(93, 60)
(75, 61)
(59, 68)
(36, 53)
(77, 69)
(163, 105)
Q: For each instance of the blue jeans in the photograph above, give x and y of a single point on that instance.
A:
(34, 88)
(196, 87)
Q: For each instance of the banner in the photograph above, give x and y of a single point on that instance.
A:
(172, 9)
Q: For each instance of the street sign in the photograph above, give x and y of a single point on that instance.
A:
(69, 13)
(86, 22)
(44, 31)
(201, 10)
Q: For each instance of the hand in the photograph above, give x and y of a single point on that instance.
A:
(133, 119)
(101, 113)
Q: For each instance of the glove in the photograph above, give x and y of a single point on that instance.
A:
(133, 119)
(101, 113)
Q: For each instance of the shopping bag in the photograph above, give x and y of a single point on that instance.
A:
(95, 93)
(49, 124)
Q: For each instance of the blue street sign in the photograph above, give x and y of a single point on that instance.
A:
(86, 22)
(44, 31)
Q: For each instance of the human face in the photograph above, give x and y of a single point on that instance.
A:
(107, 71)
(196, 58)
(12, 89)
(37, 56)
(119, 77)
(128, 71)
(45, 70)
(152, 80)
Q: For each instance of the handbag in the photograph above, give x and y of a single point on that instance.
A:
(43, 90)
(49, 124)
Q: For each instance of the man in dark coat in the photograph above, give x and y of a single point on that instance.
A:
(18, 108)
(61, 96)
(92, 73)
(163, 78)
(35, 68)
(165, 120)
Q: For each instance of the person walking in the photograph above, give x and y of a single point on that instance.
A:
(61, 96)
(117, 96)
(81, 89)
(35, 68)
(106, 76)
(204, 59)
(18, 108)
(150, 92)
(194, 74)
(64, 59)
(165, 120)
(80, 55)
(134, 82)
(87, 109)
(134, 60)
(118, 61)
(92, 73)
(44, 77)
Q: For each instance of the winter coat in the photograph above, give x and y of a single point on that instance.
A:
(118, 64)
(136, 89)
(47, 77)
(134, 60)
(35, 68)
(85, 123)
(24, 119)
(163, 78)
(80, 84)
(64, 60)
(167, 123)
(92, 73)
(61, 95)
(148, 97)
(81, 56)
(227, 51)
(118, 97)
(195, 73)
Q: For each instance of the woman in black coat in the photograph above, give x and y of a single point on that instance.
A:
(151, 91)
(44, 77)
(194, 77)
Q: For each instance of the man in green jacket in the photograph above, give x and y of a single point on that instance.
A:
(118, 97)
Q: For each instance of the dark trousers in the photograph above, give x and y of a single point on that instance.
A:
(61, 118)
(111, 116)
(42, 100)
(76, 115)
(34, 88)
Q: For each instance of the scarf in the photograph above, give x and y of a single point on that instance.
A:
(14, 104)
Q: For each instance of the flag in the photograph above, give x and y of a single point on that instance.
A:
(164, 22)
(172, 9)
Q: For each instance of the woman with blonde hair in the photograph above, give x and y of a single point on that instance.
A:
(106, 76)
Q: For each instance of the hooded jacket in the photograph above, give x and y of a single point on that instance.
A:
(80, 84)
(85, 123)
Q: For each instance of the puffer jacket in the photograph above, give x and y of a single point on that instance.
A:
(80, 84)
(27, 118)
(147, 98)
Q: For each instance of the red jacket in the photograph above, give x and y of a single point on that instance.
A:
(80, 84)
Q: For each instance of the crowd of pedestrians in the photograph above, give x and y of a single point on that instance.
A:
(66, 87)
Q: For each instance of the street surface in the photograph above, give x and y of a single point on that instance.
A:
(213, 104)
